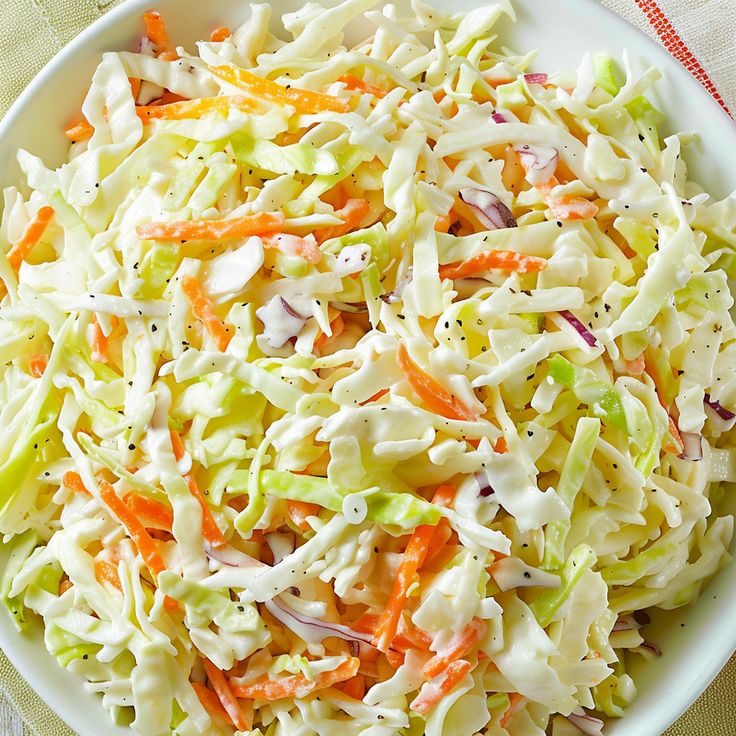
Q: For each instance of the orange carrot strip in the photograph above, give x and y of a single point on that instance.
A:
(352, 82)
(501, 445)
(458, 646)
(337, 325)
(516, 701)
(73, 481)
(436, 397)
(211, 702)
(64, 585)
(376, 396)
(156, 30)
(442, 534)
(106, 572)
(204, 311)
(98, 343)
(394, 658)
(136, 531)
(352, 214)
(303, 100)
(293, 245)
(31, 235)
(37, 364)
(678, 446)
(167, 98)
(442, 225)
(636, 367)
(220, 34)
(504, 260)
(355, 687)
(566, 207)
(234, 227)
(444, 495)
(296, 685)
(152, 510)
(411, 561)
(431, 692)
(79, 130)
(210, 529)
(135, 87)
(195, 108)
(225, 695)
(300, 510)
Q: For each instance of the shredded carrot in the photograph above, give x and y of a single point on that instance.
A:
(458, 646)
(678, 446)
(516, 701)
(376, 396)
(355, 687)
(106, 572)
(296, 685)
(137, 532)
(204, 311)
(226, 697)
(504, 260)
(168, 55)
(234, 227)
(431, 692)
(352, 82)
(156, 30)
(210, 529)
(411, 561)
(98, 343)
(442, 534)
(73, 481)
(636, 367)
(410, 636)
(31, 235)
(195, 108)
(171, 107)
(444, 495)
(352, 213)
(65, 585)
(211, 702)
(293, 245)
(567, 206)
(337, 325)
(299, 511)
(436, 397)
(394, 658)
(443, 223)
(305, 101)
(135, 87)
(37, 364)
(501, 445)
(152, 510)
(220, 34)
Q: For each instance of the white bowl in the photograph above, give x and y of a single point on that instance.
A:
(696, 641)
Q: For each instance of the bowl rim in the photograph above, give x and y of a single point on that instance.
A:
(655, 53)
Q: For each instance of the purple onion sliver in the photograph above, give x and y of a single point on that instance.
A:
(589, 725)
(626, 623)
(498, 118)
(488, 208)
(653, 648)
(290, 310)
(323, 629)
(486, 489)
(536, 78)
(692, 446)
(580, 328)
(722, 412)
(641, 617)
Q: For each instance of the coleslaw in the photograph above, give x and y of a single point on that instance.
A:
(380, 385)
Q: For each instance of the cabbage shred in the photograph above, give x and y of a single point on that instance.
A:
(281, 409)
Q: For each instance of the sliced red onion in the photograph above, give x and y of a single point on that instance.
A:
(232, 557)
(488, 208)
(722, 412)
(539, 162)
(692, 446)
(280, 320)
(653, 648)
(588, 724)
(626, 623)
(580, 328)
(349, 308)
(536, 78)
(312, 630)
(498, 118)
(486, 489)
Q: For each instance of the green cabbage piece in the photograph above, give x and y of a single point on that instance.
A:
(299, 158)
(19, 550)
(647, 119)
(605, 74)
